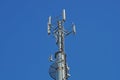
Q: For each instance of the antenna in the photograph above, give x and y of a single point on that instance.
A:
(49, 25)
(59, 69)
(74, 29)
(51, 58)
(64, 15)
(49, 20)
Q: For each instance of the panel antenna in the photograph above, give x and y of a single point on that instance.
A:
(64, 15)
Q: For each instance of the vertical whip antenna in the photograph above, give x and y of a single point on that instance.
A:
(59, 69)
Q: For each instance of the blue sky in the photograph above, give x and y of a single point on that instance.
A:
(92, 54)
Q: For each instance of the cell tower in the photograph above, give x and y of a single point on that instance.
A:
(59, 69)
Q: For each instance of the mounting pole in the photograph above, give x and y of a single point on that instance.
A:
(60, 39)
(59, 68)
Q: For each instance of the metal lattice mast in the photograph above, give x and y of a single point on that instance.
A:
(59, 68)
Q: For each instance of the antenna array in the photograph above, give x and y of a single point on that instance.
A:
(59, 69)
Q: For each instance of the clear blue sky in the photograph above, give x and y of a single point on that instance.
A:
(93, 54)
